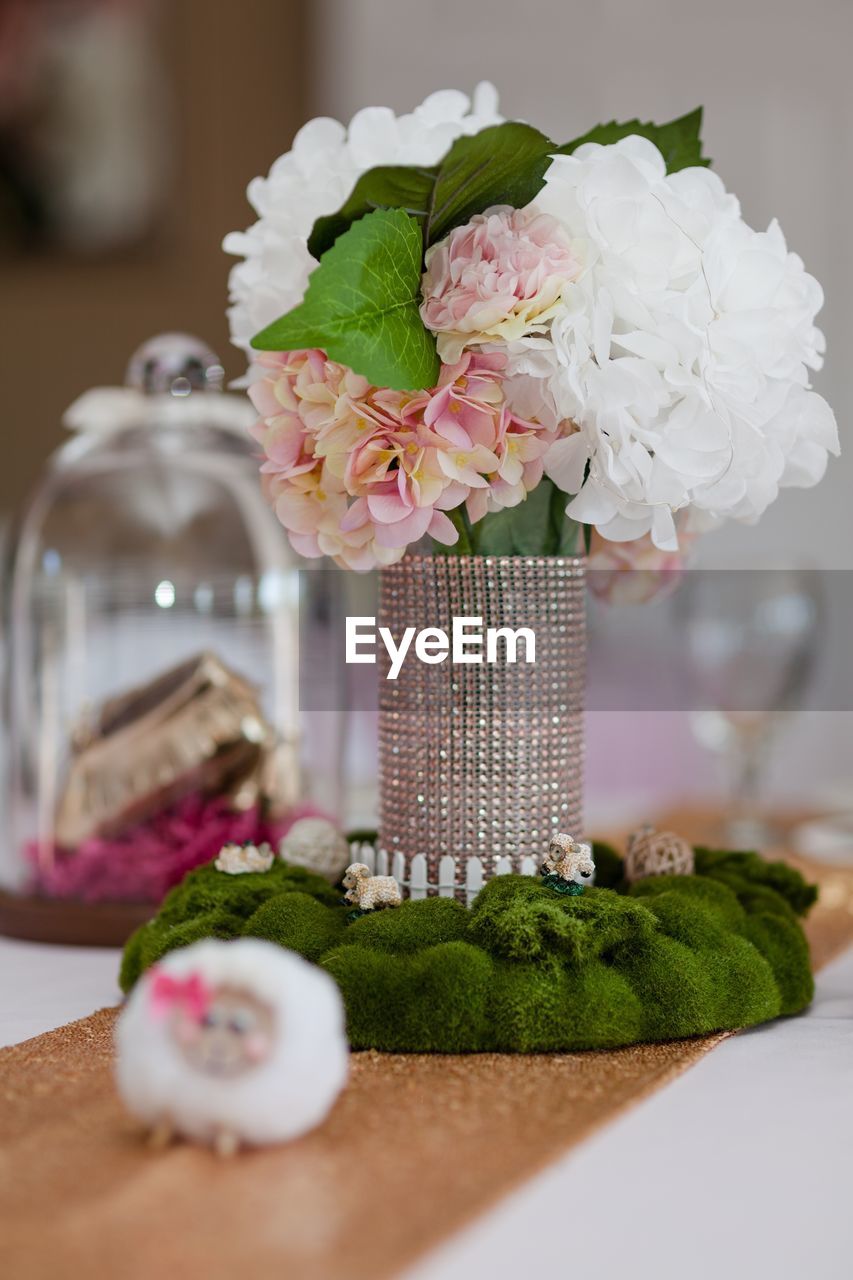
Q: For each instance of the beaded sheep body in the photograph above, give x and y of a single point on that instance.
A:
(569, 859)
(367, 892)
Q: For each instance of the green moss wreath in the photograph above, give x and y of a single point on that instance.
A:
(525, 969)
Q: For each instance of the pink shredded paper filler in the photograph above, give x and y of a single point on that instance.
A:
(144, 862)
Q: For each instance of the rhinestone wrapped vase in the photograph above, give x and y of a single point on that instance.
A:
(481, 763)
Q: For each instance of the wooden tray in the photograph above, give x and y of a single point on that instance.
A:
(79, 924)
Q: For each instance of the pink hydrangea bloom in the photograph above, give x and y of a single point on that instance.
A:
(497, 278)
(143, 862)
(504, 451)
(360, 473)
(313, 414)
(635, 572)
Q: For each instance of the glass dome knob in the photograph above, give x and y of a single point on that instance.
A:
(174, 364)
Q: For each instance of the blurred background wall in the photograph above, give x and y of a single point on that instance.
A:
(201, 95)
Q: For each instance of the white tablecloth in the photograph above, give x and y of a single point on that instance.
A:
(743, 1168)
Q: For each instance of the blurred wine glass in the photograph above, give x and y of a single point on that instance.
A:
(750, 639)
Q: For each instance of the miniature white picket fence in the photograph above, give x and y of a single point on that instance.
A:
(418, 884)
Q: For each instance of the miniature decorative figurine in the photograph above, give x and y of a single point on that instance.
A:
(141, 751)
(237, 859)
(232, 1044)
(367, 892)
(657, 853)
(317, 844)
(567, 864)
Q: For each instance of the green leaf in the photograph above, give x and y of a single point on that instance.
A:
(463, 545)
(679, 141)
(361, 306)
(564, 531)
(496, 535)
(536, 527)
(388, 187)
(504, 164)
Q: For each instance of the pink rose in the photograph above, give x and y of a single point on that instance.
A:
(497, 278)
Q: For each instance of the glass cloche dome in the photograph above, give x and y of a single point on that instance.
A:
(151, 637)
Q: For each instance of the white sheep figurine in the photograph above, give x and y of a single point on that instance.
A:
(569, 859)
(366, 891)
(232, 1044)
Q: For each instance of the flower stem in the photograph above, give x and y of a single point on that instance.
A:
(465, 545)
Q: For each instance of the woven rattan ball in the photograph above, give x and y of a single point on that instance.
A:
(657, 853)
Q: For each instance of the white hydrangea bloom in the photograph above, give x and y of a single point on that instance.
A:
(315, 178)
(683, 351)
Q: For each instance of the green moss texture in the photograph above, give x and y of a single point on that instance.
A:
(525, 969)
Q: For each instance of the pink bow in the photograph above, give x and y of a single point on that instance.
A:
(191, 992)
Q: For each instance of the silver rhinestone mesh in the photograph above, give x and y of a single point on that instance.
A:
(482, 761)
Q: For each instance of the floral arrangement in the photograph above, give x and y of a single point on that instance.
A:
(461, 329)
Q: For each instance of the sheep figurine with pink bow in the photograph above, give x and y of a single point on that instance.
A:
(232, 1044)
